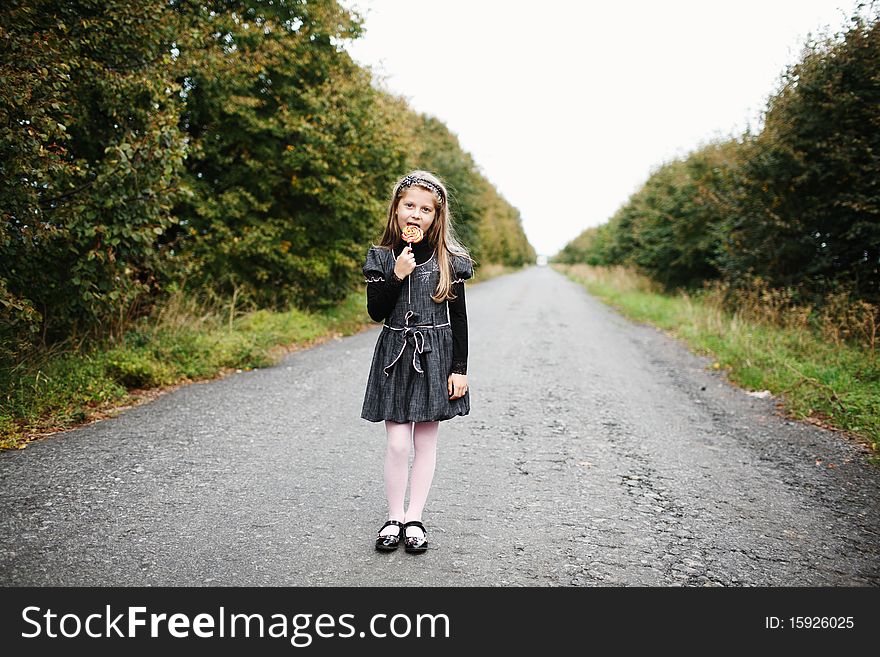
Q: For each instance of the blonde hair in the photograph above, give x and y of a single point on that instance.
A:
(441, 232)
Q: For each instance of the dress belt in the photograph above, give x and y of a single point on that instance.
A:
(418, 338)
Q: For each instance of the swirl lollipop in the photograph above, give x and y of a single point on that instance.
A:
(412, 234)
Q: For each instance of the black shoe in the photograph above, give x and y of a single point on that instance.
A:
(388, 543)
(414, 543)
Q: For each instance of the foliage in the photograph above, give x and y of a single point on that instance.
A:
(483, 219)
(796, 206)
(807, 207)
(288, 154)
(229, 148)
(188, 341)
(89, 155)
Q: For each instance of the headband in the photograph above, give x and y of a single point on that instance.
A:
(409, 181)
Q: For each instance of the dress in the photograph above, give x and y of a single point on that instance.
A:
(412, 359)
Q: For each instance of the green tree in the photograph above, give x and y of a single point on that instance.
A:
(677, 233)
(289, 153)
(484, 221)
(808, 202)
(89, 155)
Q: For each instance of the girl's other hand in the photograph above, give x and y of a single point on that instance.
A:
(456, 385)
(406, 262)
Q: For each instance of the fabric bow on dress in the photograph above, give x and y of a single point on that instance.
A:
(410, 332)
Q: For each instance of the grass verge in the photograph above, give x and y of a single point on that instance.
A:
(836, 386)
(179, 344)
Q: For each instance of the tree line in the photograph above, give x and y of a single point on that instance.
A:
(228, 148)
(794, 206)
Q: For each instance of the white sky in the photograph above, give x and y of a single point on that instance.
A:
(567, 106)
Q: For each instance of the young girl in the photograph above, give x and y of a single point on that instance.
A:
(419, 372)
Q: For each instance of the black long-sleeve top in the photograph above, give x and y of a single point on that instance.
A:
(382, 297)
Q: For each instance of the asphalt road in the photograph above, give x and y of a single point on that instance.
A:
(597, 452)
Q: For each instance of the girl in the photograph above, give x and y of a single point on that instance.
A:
(419, 372)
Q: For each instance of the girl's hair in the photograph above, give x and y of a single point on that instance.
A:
(441, 233)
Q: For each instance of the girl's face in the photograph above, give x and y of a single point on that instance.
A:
(416, 207)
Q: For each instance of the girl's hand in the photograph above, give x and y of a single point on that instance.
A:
(406, 262)
(456, 385)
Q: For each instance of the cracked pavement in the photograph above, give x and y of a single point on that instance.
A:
(598, 452)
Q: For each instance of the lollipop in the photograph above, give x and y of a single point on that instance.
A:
(412, 234)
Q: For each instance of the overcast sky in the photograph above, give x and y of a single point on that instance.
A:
(567, 106)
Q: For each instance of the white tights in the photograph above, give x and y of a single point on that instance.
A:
(423, 437)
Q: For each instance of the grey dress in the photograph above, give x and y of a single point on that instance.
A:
(413, 355)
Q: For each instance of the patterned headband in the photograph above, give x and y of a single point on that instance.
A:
(409, 181)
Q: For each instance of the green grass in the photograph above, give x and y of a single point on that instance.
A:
(832, 385)
(62, 390)
(181, 343)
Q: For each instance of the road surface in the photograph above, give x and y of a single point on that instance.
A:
(598, 452)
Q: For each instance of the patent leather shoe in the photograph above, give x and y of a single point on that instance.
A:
(389, 543)
(415, 544)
